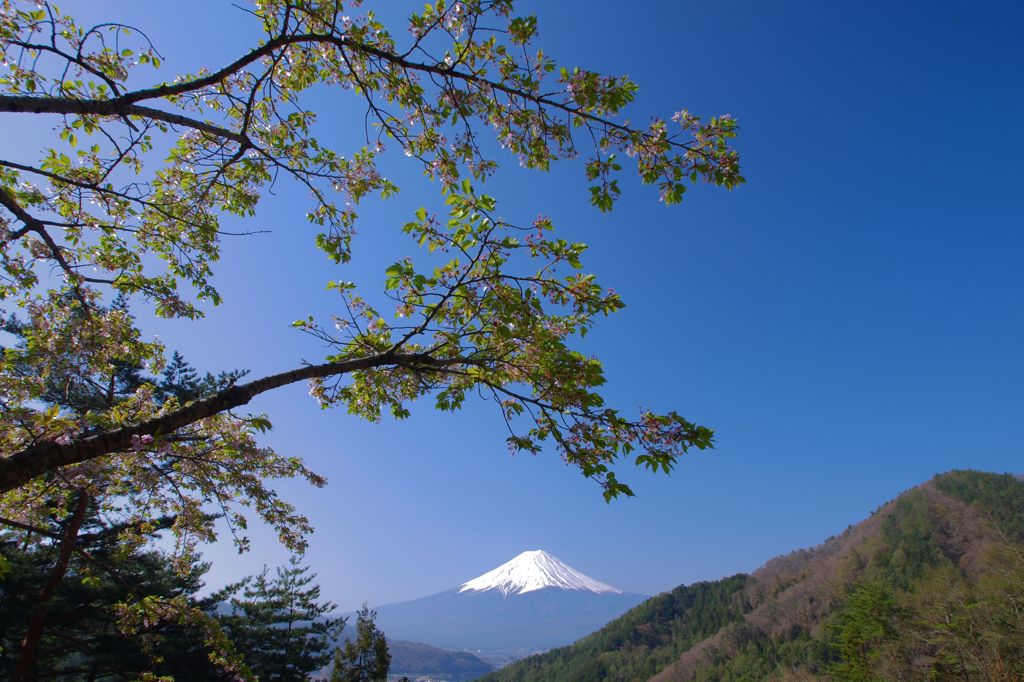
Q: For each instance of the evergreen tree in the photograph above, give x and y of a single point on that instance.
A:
(72, 384)
(82, 634)
(278, 624)
(79, 387)
(100, 555)
(182, 381)
(867, 619)
(367, 658)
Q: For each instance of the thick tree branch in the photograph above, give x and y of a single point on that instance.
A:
(31, 223)
(11, 523)
(30, 104)
(126, 104)
(21, 467)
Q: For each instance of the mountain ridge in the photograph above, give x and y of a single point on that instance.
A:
(930, 584)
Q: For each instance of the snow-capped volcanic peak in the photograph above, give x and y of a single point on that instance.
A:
(534, 571)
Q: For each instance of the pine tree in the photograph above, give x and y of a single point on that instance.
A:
(366, 659)
(73, 384)
(182, 381)
(80, 632)
(179, 379)
(278, 623)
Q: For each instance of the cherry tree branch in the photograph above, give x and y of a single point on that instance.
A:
(30, 104)
(21, 467)
(126, 104)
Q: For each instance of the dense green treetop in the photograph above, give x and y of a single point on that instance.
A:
(279, 625)
(366, 657)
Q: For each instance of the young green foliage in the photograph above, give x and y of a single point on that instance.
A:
(493, 309)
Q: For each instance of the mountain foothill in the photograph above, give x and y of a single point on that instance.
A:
(929, 586)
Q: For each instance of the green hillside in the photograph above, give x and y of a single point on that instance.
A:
(930, 586)
(641, 642)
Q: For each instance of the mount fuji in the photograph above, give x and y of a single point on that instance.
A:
(532, 603)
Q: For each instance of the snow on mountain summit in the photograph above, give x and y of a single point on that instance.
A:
(531, 571)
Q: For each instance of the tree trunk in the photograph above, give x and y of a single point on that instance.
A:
(29, 652)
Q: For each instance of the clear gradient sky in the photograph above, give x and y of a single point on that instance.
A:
(849, 321)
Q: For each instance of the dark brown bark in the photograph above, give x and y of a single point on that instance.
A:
(30, 104)
(126, 104)
(21, 467)
(8, 201)
(29, 652)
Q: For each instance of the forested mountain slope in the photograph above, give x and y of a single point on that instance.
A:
(930, 585)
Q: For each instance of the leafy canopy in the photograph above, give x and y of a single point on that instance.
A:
(490, 307)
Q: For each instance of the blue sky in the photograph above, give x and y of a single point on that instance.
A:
(849, 321)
